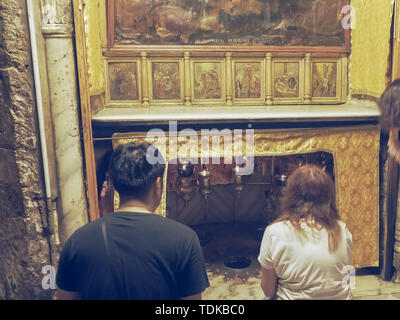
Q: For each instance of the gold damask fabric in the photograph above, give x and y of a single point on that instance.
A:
(356, 160)
(370, 46)
(93, 45)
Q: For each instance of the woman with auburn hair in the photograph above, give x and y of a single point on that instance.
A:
(306, 252)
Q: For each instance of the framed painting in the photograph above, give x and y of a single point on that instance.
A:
(326, 80)
(288, 81)
(166, 81)
(123, 82)
(208, 81)
(248, 81)
(236, 25)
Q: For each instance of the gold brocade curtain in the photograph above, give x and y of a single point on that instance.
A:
(356, 157)
(370, 46)
(94, 30)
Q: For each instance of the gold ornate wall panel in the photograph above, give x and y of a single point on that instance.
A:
(231, 79)
(370, 47)
(356, 156)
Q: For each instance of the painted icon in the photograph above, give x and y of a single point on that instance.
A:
(286, 80)
(166, 80)
(324, 79)
(207, 80)
(248, 80)
(122, 77)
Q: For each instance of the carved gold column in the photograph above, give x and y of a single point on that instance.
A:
(186, 57)
(307, 78)
(268, 79)
(145, 79)
(229, 93)
(344, 79)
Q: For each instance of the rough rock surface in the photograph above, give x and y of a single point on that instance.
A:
(24, 248)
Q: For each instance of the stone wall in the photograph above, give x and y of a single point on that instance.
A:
(24, 246)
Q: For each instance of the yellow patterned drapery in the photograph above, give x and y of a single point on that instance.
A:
(370, 46)
(93, 28)
(356, 156)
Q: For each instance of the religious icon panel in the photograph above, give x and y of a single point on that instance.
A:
(166, 80)
(208, 80)
(248, 80)
(123, 81)
(287, 83)
(324, 82)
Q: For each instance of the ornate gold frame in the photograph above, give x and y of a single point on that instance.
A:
(286, 100)
(228, 62)
(341, 81)
(123, 103)
(249, 62)
(111, 23)
(222, 76)
(150, 81)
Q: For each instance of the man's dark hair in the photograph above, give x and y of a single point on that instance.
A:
(131, 173)
(390, 106)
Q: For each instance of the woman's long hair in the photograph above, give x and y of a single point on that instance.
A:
(309, 197)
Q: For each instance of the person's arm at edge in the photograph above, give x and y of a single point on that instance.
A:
(193, 297)
(269, 282)
(67, 295)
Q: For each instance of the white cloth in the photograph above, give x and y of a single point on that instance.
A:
(304, 266)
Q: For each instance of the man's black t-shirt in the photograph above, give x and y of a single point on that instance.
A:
(149, 257)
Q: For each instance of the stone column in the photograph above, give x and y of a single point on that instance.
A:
(57, 28)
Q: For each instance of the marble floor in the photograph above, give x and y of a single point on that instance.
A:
(368, 287)
(372, 287)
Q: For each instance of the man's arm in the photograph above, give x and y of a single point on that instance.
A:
(192, 276)
(67, 295)
(269, 282)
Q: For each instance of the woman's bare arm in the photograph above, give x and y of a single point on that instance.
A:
(269, 282)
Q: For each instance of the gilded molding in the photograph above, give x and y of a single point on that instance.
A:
(307, 78)
(186, 57)
(268, 89)
(229, 80)
(145, 79)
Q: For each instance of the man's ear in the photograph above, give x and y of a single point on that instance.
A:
(158, 190)
(159, 185)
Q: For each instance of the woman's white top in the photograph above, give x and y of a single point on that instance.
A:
(304, 266)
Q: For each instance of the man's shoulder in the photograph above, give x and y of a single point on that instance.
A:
(175, 226)
(86, 230)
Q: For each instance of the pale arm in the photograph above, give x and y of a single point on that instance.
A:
(269, 282)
